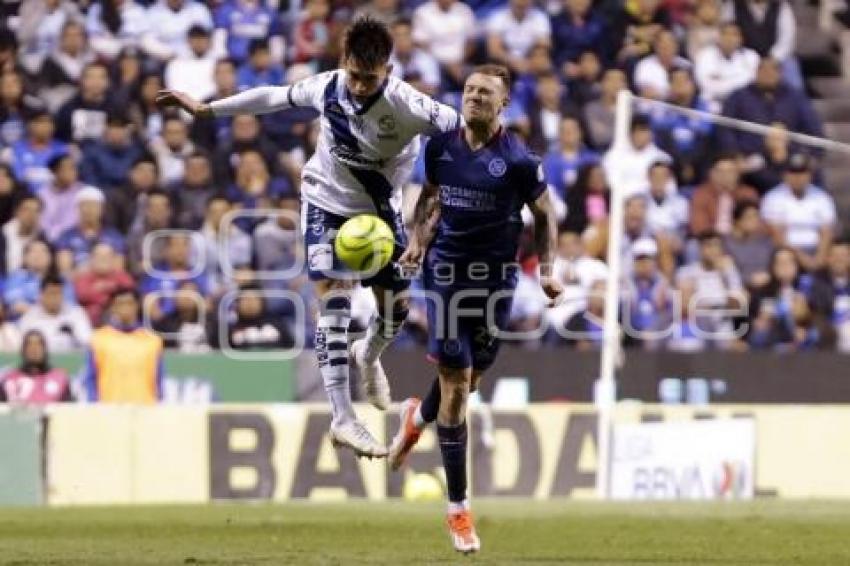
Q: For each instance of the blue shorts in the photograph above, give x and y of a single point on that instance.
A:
(464, 321)
(320, 229)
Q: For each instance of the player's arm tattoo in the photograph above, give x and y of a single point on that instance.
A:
(545, 232)
(426, 215)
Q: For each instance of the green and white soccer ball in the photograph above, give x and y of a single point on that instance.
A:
(365, 243)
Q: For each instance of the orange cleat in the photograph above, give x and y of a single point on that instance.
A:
(407, 436)
(462, 531)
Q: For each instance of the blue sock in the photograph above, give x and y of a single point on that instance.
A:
(453, 446)
(431, 403)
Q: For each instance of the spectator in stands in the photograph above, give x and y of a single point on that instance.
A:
(22, 229)
(114, 24)
(30, 157)
(704, 28)
(94, 285)
(724, 67)
(41, 26)
(185, 329)
(713, 202)
(58, 198)
(192, 72)
(561, 166)
(75, 244)
(154, 215)
(584, 86)
(127, 74)
(23, 285)
(123, 203)
(578, 28)
(770, 29)
(218, 228)
(312, 34)
(253, 328)
(687, 139)
(179, 265)
(667, 210)
(259, 70)
(764, 170)
(513, 30)
(765, 101)
(549, 107)
(635, 26)
(171, 149)
(245, 134)
(8, 51)
(254, 187)
(789, 313)
(193, 192)
(143, 111)
(446, 29)
(107, 162)
(628, 168)
(10, 335)
(385, 11)
(588, 200)
(16, 107)
(65, 325)
(749, 246)
(62, 69)
(836, 278)
(35, 381)
(599, 114)
(576, 272)
(170, 22)
(647, 298)
(652, 73)
(10, 192)
(83, 118)
(211, 133)
(276, 251)
(412, 63)
(585, 328)
(124, 363)
(712, 285)
(801, 215)
(240, 21)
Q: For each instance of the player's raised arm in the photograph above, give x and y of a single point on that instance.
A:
(428, 116)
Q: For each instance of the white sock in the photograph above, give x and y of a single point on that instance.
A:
(418, 421)
(332, 356)
(381, 333)
(458, 507)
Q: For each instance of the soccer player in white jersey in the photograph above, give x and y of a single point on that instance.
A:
(369, 140)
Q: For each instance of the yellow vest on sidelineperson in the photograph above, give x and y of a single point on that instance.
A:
(124, 366)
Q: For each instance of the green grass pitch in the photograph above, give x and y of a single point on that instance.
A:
(513, 532)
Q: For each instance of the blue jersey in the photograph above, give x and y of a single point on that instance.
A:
(482, 193)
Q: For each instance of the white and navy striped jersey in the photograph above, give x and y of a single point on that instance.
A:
(365, 152)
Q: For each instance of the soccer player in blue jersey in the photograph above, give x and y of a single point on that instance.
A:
(467, 226)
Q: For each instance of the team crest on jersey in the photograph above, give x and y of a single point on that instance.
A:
(386, 123)
(334, 108)
(497, 167)
(451, 347)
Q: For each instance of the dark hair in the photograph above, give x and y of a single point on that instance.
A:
(741, 208)
(500, 72)
(51, 279)
(145, 158)
(198, 31)
(226, 61)
(34, 367)
(217, 196)
(24, 197)
(640, 121)
(660, 163)
(117, 119)
(110, 16)
(157, 192)
(96, 64)
(258, 44)
(54, 162)
(124, 290)
(727, 155)
(403, 21)
(707, 235)
(8, 40)
(368, 42)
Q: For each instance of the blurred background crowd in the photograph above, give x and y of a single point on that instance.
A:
(731, 240)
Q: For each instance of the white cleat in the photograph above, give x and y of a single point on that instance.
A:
(462, 532)
(356, 436)
(374, 379)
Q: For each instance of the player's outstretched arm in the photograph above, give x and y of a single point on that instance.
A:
(545, 241)
(426, 216)
(260, 100)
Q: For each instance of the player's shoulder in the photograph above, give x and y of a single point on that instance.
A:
(516, 151)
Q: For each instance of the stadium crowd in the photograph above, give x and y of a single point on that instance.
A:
(102, 191)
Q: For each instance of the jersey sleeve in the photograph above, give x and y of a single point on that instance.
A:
(426, 115)
(532, 181)
(307, 93)
(430, 159)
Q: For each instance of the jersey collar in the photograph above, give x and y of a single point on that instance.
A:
(360, 109)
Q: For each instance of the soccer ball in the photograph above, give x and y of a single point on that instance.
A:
(422, 487)
(365, 243)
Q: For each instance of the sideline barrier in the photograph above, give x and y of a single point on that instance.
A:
(182, 454)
